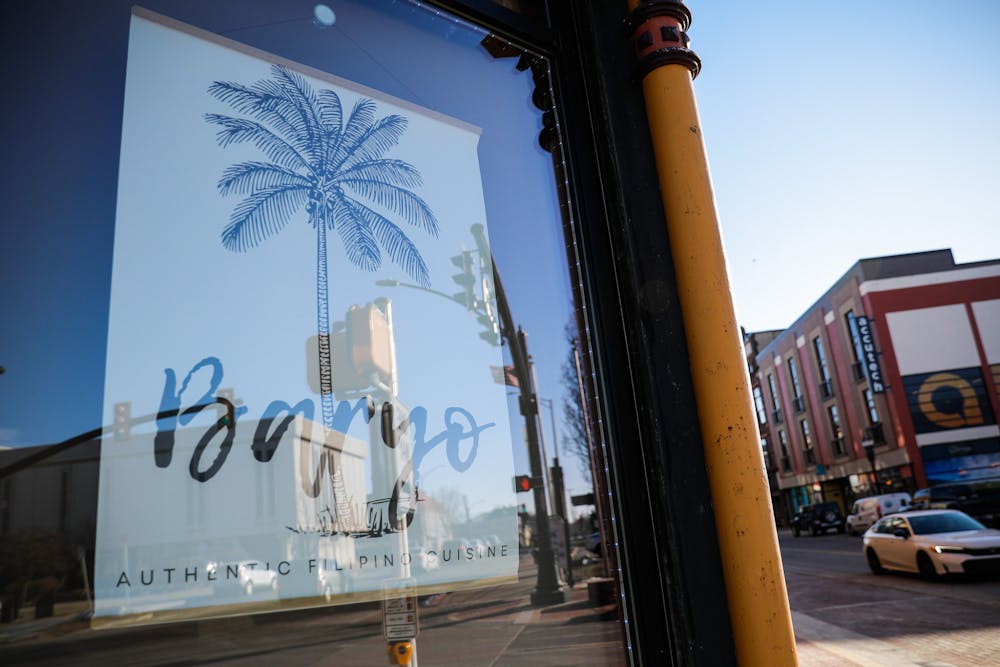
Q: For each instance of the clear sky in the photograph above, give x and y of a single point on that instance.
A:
(835, 135)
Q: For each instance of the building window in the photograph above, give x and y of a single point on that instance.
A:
(765, 448)
(836, 431)
(826, 382)
(786, 460)
(872, 410)
(807, 445)
(874, 431)
(857, 367)
(758, 402)
(773, 388)
(798, 402)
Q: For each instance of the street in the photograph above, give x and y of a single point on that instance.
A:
(843, 615)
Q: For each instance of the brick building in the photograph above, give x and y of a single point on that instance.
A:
(887, 382)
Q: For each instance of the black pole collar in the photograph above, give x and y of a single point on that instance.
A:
(658, 30)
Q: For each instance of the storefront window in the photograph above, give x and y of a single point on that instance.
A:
(286, 284)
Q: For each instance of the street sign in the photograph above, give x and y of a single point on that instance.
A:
(399, 609)
(557, 535)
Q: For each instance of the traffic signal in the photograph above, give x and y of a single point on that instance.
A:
(370, 340)
(359, 347)
(466, 279)
(522, 483)
(487, 316)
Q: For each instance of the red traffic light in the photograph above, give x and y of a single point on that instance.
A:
(522, 483)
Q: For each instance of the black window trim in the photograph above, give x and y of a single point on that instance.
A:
(621, 244)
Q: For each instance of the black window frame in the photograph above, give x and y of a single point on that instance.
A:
(798, 399)
(637, 350)
(775, 398)
(786, 460)
(836, 430)
(808, 450)
(825, 379)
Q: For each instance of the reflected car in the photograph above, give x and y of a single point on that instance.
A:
(979, 498)
(331, 582)
(253, 576)
(932, 543)
(424, 559)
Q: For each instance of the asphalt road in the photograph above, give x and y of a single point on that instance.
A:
(845, 615)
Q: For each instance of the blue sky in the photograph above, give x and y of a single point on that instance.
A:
(835, 135)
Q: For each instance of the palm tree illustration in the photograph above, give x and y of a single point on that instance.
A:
(332, 167)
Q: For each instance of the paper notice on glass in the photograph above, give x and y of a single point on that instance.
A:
(317, 432)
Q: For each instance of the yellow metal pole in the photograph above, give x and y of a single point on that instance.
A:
(748, 540)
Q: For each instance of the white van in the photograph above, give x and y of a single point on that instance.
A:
(867, 511)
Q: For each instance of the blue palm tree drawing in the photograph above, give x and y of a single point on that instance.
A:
(333, 167)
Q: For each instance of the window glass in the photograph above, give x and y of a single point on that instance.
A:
(807, 444)
(758, 401)
(824, 371)
(266, 265)
(947, 522)
(786, 461)
(836, 430)
(793, 373)
(870, 405)
(773, 389)
(852, 328)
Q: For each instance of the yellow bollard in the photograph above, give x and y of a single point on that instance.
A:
(748, 540)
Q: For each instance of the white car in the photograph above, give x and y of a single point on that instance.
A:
(932, 543)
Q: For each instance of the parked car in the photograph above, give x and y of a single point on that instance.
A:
(932, 543)
(331, 581)
(867, 511)
(423, 559)
(980, 499)
(818, 518)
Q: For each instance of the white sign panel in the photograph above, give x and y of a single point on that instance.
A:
(319, 433)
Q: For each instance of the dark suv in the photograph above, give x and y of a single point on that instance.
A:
(818, 518)
(980, 499)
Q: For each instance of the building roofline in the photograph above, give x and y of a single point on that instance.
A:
(959, 274)
(877, 270)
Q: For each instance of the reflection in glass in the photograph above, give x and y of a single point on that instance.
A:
(167, 403)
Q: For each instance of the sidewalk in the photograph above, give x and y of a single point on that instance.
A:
(510, 632)
(822, 644)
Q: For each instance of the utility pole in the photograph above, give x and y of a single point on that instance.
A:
(559, 506)
(548, 588)
(748, 540)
